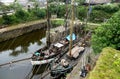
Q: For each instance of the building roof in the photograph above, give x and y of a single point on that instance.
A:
(97, 1)
(116, 0)
(1, 3)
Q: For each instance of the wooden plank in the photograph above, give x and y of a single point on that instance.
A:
(15, 61)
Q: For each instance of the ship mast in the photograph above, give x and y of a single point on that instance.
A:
(71, 25)
(48, 26)
(66, 16)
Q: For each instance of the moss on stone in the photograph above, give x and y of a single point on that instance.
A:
(107, 66)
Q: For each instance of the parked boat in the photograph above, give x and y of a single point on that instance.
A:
(64, 67)
(47, 55)
(60, 69)
(74, 52)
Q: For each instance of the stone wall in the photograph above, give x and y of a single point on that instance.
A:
(8, 34)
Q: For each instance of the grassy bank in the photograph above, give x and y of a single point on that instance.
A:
(107, 66)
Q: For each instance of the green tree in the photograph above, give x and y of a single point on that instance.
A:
(82, 12)
(108, 34)
(40, 13)
(57, 9)
(22, 15)
(9, 19)
(111, 8)
(99, 16)
(61, 11)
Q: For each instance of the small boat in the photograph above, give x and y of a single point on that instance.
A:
(64, 67)
(46, 55)
(61, 69)
(43, 56)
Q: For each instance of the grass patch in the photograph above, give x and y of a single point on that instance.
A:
(92, 26)
(107, 66)
(58, 22)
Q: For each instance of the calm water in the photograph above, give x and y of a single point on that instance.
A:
(19, 48)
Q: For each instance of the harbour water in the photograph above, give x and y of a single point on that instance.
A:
(20, 48)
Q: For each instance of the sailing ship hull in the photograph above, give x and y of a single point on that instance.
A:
(40, 62)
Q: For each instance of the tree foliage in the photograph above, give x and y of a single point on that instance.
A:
(107, 34)
(99, 16)
(99, 12)
(57, 9)
(38, 13)
(22, 15)
(111, 8)
(11, 19)
(82, 12)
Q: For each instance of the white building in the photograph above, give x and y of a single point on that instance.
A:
(97, 1)
(7, 2)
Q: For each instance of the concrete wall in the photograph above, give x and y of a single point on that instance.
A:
(8, 34)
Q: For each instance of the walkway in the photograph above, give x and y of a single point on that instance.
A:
(75, 74)
(21, 25)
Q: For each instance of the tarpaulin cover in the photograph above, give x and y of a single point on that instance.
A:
(73, 37)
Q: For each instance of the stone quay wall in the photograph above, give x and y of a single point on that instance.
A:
(11, 32)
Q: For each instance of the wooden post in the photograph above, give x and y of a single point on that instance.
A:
(48, 26)
(71, 26)
(66, 16)
(87, 19)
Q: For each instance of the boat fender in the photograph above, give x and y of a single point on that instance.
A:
(37, 53)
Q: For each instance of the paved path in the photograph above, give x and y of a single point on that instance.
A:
(21, 25)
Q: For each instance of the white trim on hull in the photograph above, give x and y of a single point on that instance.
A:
(42, 61)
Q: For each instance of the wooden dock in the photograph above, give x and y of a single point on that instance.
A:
(75, 73)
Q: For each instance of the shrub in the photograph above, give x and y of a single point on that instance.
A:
(111, 8)
(9, 19)
(82, 12)
(22, 15)
(58, 9)
(107, 35)
(41, 13)
(99, 16)
(56, 23)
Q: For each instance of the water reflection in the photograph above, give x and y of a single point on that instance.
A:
(37, 71)
(20, 44)
(19, 48)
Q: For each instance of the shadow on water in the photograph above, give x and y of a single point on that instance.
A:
(20, 44)
(37, 71)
